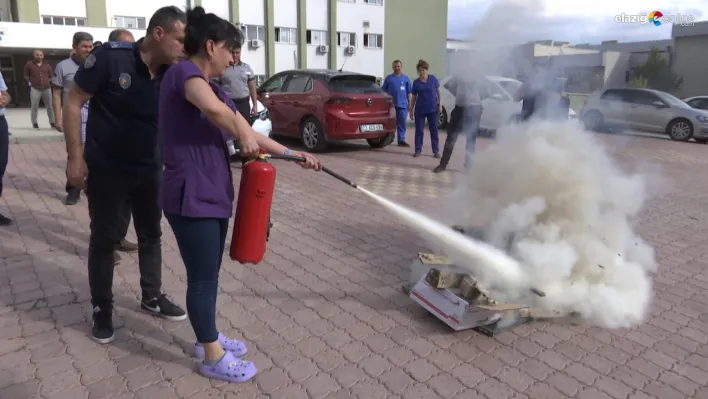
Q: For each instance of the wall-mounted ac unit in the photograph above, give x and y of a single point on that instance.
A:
(323, 49)
(366, 24)
(256, 43)
(351, 50)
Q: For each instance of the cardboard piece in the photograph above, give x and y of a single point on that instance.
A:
(463, 303)
(457, 312)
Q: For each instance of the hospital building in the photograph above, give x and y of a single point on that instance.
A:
(356, 35)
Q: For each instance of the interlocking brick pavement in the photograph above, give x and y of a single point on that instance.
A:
(324, 315)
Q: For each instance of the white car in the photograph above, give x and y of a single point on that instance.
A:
(260, 123)
(697, 102)
(497, 110)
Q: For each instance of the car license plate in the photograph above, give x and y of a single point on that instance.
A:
(371, 128)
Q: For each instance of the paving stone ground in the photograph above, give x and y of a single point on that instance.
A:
(324, 314)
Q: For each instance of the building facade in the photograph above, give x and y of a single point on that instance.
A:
(356, 35)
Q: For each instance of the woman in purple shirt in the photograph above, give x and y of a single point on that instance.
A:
(425, 104)
(195, 119)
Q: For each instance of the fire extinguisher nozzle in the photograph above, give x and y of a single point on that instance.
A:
(339, 177)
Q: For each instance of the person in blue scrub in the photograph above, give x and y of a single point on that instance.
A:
(425, 104)
(398, 86)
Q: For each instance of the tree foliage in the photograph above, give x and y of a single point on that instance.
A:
(656, 74)
(639, 82)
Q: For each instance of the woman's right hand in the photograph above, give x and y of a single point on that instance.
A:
(410, 114)
(248, 146)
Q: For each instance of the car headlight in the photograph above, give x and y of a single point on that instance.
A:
(702, 118)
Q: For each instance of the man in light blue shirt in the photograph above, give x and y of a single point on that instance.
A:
(398, 86)
(4, 141)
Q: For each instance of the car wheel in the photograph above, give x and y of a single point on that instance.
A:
(312, 135)
(381, 142)
(680, 129)
(593, 120)
(442, 119)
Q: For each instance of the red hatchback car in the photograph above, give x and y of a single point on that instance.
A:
(319, 106)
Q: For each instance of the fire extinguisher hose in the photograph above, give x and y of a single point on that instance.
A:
(301, 159)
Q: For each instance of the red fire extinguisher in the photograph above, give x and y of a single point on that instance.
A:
(252, 218)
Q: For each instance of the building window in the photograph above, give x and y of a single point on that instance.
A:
(348, 1)
(260, 79)
(70, 21)
(373, 40)
(129, 22)
(254, 32)
(346, 39)
(374, 2)
(318, 37)
(286, 35)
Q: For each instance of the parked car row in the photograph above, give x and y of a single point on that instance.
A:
(498, 109)
(320, 106)
(647, 110)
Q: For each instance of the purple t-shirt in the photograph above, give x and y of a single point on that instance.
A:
(197, 180)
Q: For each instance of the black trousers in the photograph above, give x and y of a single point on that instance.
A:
(463, 120)
(4, 148)
(243, 106)
(108, 193)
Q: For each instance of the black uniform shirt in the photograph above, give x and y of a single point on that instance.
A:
(122, 124)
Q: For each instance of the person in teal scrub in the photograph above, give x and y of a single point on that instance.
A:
(398, 86)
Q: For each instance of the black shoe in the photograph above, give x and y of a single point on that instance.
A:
(5, 221)
(52, 125)
(440, 168)
(102, 329)
(73, 197)
(416, 155)
(163, 307)
(403, 144)
(436, 155)
(35, 125)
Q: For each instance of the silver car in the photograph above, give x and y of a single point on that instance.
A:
(646, 110)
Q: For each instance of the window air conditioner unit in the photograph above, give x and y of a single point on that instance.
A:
(256, 43)
(323, 49)
(351, 50)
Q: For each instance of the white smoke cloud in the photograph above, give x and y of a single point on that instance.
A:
(549, 193)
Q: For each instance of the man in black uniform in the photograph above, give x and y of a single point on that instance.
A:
(121, 160)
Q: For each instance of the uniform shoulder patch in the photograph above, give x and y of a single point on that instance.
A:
(118, 45)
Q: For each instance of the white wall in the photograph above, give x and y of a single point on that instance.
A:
(317, 14)
(136, 8)
(285, 16)
(251, 12)
(218, 7)
(285, 13)
(23, 35)
(66, 8)
(285, 57)
(350, 18)
(317, 19)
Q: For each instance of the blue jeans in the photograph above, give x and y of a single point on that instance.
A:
(4, 148)
(201, 243)
(432, 118)
(401, 118)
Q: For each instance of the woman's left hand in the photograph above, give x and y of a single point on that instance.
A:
(310, 161)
